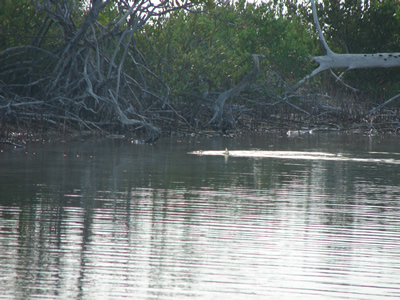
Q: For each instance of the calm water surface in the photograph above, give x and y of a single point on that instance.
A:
(115, 220)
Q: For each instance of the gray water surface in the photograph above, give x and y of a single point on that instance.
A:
(114, 220)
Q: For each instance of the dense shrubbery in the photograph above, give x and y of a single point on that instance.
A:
(149, 71)
(195, 52)
(19, 23)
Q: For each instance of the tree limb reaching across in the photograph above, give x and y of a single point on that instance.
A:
(219, 103)
(348, 61)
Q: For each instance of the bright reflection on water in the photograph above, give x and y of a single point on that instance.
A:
(112, 220)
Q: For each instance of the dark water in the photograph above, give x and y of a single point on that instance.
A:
(114, 220)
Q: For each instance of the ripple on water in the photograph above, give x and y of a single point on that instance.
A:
(179, 227)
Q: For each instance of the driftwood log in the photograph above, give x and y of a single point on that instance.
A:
(349, 61)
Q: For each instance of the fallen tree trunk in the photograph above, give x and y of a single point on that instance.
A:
(348, 61)
(356, 61)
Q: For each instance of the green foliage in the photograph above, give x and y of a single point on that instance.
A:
(19, 23)
(108, 14)
(211, 51)
(209, 48)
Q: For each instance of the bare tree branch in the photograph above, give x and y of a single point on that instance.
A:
(219, 103)
(349, 61)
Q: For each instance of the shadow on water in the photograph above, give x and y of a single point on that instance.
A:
(110, 219)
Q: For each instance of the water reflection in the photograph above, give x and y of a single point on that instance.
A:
(113, 220)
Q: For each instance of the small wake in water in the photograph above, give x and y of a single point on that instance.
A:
(300, 155)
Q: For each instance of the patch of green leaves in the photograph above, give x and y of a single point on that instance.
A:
(203, 50)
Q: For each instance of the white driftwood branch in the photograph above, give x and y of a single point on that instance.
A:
(349, 61)
(356, 61)
(321, 35)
